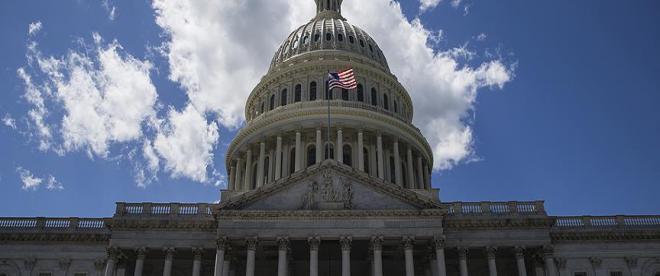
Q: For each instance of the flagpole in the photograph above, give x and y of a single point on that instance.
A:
(327, 95)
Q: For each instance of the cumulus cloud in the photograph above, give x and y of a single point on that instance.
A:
(34, 28)
(425, 5)
(30, 182)
(186, 143)
(442, 88)
(8, 121)
(106, 96)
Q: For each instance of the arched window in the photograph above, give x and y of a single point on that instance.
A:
(305, 39)
(261, 110)
(340, 37)
(283, 97)
(371, 48)
(298, 93)
(312, 91)
(272, 102)
(386, 102)
(329, 149)
(266, 167)
(292, 160)
(311, 155)
(362, 43)
(365, 157)
(295, 43)
(344, 94)
(351, 39)
(374, 97)
(392, 170)
(317, 37)
(396, 107)
(360, 93)
(347, 155)
(328, 36)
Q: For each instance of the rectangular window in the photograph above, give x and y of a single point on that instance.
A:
(616, 273)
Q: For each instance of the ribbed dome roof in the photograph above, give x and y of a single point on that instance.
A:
(329, 31)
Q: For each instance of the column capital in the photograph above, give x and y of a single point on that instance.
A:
(463, 252)
(197, 252)
(113, 253)
(520, 251)
(251, 243)
(438, 242)
(283, 243)
(222, 243)
(408, 242)
(548, 250)
(490, 252)
(631, 262)
(377, 242)
(141, 252)
(314, 242)
(169, 252)
(99, 263)
(561, 262)
(345, 242)
(596, 262)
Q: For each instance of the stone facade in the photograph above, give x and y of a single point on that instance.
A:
(349, 195)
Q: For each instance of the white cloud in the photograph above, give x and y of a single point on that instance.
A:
(8, 121)
(106, 97)
(110, 8)
(34, 28)
(482, 37)
(186, 143)
(443, 90)
(53, 185)
(425, 5)
(30, 182)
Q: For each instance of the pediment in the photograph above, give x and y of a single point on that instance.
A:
(330, 187)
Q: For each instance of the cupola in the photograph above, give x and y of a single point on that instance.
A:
(328, 6)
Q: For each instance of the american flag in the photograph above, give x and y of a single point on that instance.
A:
(344, 79)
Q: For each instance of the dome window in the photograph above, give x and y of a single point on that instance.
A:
(305, 40)
(295, 43)
(312, 91)
(371, 48)
(329, 151)
(283, 97)
(272, 102)
(361, 43)
(386, 102)
(396, 107)
(344, 94)
(317, 37)
(347, 155)
(298, 93)
(360, 93)
(374, 97)
(328, 36)
(311, 155)
(351, 39)
(340, 37)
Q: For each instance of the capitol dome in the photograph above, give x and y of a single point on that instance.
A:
(370, 132)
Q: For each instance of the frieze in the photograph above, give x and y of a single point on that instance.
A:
(203, 224)
(55, 237)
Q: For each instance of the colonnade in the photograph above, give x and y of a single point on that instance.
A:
(382, 156)
(407, 245)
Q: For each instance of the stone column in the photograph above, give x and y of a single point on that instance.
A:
(260, 165)
(360, 152)
(427, 180)
(492, 264)
(462, 260)
(283, 244)
(314, 243)
(550, 268)
(439, 244)
(169, 258)
(377, 248)
(345, 255)
(222, 244)
(520, 261)
(248, 171)
(411, 172)
(113, 255)
(226, 267)
(339, 148)
(298, 152)
(379, 156)
(319, 146)
(232, 178)
(238, 183)
(408, 246)
(139, 262)
(251, 244)
(597, 264)
(197, 261)
(397, 165)
(278, 158)
(420, 173)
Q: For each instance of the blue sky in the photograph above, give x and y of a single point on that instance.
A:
(577, 125)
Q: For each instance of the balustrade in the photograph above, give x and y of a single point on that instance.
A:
(487, 208)
(52, 224)
(604, 222)
(163, 209)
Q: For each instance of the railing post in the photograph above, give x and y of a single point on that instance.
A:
(174, 209)
(147, 208)
(458, 208)
(121, 209)
(513, 207)
(41, 223)
(620, 221)
(586, 220)
(485, 207)
(540, 207)
(74, 223)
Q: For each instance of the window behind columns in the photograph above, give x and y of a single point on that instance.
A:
(311, 155)
(292, 160)
(266, 166)
(272, 102)
(404, 173)
(298, 93)
(344, 94)
(331, 150)
(312, 91)
(283, 97)
(360, 93)
(386, 102)
(347, 155)
(392, 170)
(254, 176)
(365, 156)
(374, 97)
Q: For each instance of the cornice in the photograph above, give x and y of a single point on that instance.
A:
(156, 223)
(497, 223)
(55, 237)
(307, 214)
(602, 235)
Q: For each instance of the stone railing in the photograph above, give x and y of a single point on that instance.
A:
(488, 208)
(53, 224)
(607, 222)
(163, 209)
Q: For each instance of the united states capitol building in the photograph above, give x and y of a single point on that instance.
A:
(349, 197)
